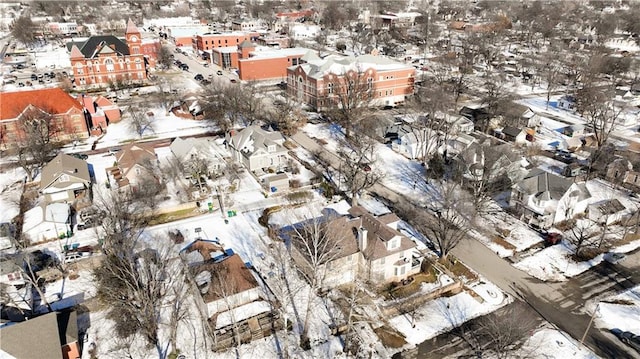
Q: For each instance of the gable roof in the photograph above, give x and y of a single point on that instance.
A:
(90, 47)
(52, 100)
(543, 184)
(64, 164)
(235, 274)
(182, 146)
(134, 153)
(254, 138)
(51, 331)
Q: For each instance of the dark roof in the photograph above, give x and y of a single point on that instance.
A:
(40, 337)
(88, 48)
(511, 131)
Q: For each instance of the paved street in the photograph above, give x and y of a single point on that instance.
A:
(562, 304)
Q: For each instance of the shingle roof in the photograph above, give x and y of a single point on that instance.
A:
(40, 337)
(134, 153)
(545, 185)
(235, 274)
(51, 100)
(64, 164)
(90, 47)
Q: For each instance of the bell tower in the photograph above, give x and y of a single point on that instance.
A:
(132, 35)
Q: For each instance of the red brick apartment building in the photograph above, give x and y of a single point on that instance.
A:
(315, 81)
(67, 118)
(206, 42)
(103, 59)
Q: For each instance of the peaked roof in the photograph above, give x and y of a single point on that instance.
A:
(51, 100)
(75, 52)
(92, 45)
(131, 28)
(234, 273)
(254, 138)
(545, 185)
(134, 153)
(51, 331)
(64, 164)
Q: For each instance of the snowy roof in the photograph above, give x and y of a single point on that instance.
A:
(342, 64)
(241, 313)
(544, 184)
(92, 45)
(254, 138)
(264, 52)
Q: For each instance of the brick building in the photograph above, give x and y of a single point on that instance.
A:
(316, 81)
(256, 64)
(207, 42)
(105, 59)
(67, 121)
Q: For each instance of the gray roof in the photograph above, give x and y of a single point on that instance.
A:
(545, 185)
(242, 141)
(181, 147)
(91, 45)
(64, 164)
(40, 337)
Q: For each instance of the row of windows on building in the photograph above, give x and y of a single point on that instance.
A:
(83, 80)
(109, 65)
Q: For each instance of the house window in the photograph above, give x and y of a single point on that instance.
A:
(330, 88)
(369, 84)
(402, 270)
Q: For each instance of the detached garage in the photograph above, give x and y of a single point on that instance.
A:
(277, 182)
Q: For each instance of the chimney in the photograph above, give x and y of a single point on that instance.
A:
(362, 239)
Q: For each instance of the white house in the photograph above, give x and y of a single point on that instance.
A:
(413, 142)
(301, 31)
(45, 222)
(258, 149)
(367, 247)
(199, 149)
(65, 179)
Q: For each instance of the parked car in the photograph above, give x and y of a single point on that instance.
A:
(233, 81)
(219, 73)
(81, 156)
(564, 156)
(552, 238)
(198, 77)
(114, 150)
(184, 67)
(34, 77)
(628, 338)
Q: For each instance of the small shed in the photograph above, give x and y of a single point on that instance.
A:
(277, 182)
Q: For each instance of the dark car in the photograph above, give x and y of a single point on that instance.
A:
(564, 156)
(34, 77)
(205, 82)
(184, 67)
(233, 81)
(219, 73)
(628, 338)
(81, 156)
(198, 77)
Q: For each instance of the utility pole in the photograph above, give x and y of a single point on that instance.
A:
(589, 325)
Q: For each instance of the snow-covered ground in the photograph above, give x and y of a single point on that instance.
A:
(621, 311)
(550, 343)
(10, 189)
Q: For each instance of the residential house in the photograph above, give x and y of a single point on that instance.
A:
(319, 82)
(53, 335)
(66, 119)
(248, 25)
(366, 247)
(496, 160)
(285, 19)
(606, 212)
(66, 179)
(567, 102)
(199, 149)
(544, 199)
(47, 221)
(135, 163)
(232, 298)
(412, 142)
(517, 135)
(258, 149)
(304, 31)
(101, 60)
(456, 124)
(480, 116)
(459, 144)
(401, 20)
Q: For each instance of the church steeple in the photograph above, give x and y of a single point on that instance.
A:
(132, 34)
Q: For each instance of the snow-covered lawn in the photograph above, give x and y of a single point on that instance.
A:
(10, 191)
(620, 311)
(550, 343)
(442, 314)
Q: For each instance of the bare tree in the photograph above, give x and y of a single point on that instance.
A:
(139, 275)
(164, 59)
(140, 121)
(286, 116)
(347, 97)
(449, 223)
(582, 235)
(497, 99)
(357, 168)
(23, 30)
(37, 132)
(166, 96)
(227, 105)
(313, 244)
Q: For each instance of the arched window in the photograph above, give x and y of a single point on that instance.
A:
(109, 65)
(369, 84)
